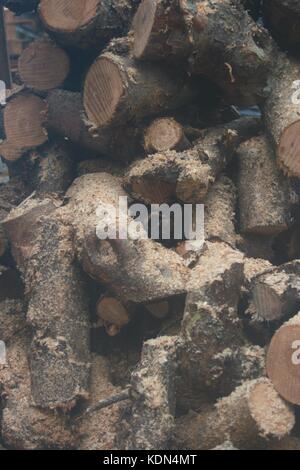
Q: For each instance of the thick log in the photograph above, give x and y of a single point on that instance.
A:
(65, 117)
(264, 201)
(86, 24)
(165, 134)
(58, 307)
(283, 360)
(253, 416)
(135, 270)
(188, 175)
(276, 293)
(118, 90)
(283, 19)
(24, 426)
(151, 416)
(23, 122)
(20, 6)
(281, 114)
(43, 66)
(218, 37)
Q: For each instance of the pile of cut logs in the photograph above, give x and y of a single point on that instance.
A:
(134, 343)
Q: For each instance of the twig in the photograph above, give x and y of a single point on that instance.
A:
(124, 395)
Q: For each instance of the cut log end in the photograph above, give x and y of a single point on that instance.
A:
(152, 191)
(103, 91)
(289, 150)
(142, 25)
(164, 134)
(113, 314)
(283, 365)
(267, 302)
(67, 15)
(43, 66)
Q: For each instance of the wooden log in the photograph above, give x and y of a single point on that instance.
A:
(283, 20)
(264, 200)
(276, 293)
(86, 24)
(20, 6)
(23, 120)
(165, 134)
(113, 313)
(283, 360)
(65, 117)
(281, 114)
(188, 175)
(118, 90)
(214, 32)
(151, 415)
(43, 66)
(23, 426)
(253, 416)
(139, 270)
(59, 354)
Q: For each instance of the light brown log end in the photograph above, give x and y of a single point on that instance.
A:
(289, 150)
(67, 16)
(143, 25)
(165, 134)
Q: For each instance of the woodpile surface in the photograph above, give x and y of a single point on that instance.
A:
(132, 342)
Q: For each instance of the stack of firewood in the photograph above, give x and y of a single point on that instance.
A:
(134, 343)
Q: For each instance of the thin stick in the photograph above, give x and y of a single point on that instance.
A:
(124, 395)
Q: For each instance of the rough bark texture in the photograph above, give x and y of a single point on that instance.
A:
(281, 114)
(264, 202)
(58, 308)
(65, 117)
(253, 416)
(86, 24)
(283, 20)
(188, 175)
(150, 422)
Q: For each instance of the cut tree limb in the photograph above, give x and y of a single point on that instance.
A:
(165, 134)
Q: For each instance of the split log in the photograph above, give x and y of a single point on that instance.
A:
(253, 416)
(118, 90)
(276, 293)
(86, 24)
(281, 114)
(58, 307)
(43, 66)
(135, 270)
(20, 6)
(165, 134)
(23, 119)
(188, 175)
(283, 19)
(209, 34)
(216, 356)
(65, 117)
(24, 426)
(264, 202)
(150, 420)
(283, 360)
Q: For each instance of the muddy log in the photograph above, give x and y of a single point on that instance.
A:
(43, 66)
(264, 201)
(253, 416)
(150, 421)
(281, 114)
(283, 19)
(86, 24)
(66, 118)
(188, 175)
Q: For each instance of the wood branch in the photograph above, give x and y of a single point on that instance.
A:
(151, 416)
(253, 416)
(188, 175)
(56, 291)
(23, 119)
(283, 20)
(244, 50)
(43, 65)
(24, 426)
(118, 90)
(283, 360)
(86, 24)
(65, 117)
(276, 293)
(264, 201)
(20, 6)
(165, 134)
(281, 114)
